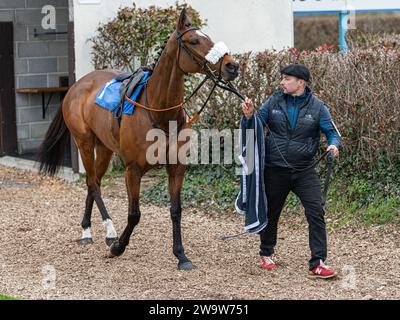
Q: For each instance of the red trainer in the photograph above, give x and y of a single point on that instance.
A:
(322, 271)
(268, 263)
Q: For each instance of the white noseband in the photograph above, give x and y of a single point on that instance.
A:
(217, 52)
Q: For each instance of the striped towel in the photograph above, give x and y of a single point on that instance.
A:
(252, 200)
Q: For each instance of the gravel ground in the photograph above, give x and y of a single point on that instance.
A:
(40, 258)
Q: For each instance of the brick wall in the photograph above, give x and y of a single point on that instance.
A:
(39, 62)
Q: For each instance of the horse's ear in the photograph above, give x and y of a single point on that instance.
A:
(185, 21)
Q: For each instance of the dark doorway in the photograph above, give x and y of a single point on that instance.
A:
(8, 127)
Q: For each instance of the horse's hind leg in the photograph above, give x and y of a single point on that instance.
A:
(86, 149)
(176, 176)
(95, 170)
(86, 222)
(103, 157)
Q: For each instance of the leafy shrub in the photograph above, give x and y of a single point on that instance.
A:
(136, 33)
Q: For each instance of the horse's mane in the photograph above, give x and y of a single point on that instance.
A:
(152, 66)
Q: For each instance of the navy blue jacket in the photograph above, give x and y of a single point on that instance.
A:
(296, 123)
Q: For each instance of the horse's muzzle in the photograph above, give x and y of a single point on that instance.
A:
(230, 71)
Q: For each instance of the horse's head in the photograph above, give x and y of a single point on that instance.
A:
(197, 53)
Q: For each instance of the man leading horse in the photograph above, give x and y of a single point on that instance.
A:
(295, 119)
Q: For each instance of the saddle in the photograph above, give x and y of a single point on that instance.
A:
(129, 82)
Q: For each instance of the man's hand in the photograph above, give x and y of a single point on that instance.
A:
(248, 108)
(335, 150)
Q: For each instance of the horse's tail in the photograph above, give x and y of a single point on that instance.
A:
(51, 152)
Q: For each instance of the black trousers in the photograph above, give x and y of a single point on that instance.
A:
(306, 185)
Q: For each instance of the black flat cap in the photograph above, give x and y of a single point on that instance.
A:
(297, 70)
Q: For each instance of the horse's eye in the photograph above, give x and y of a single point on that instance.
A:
(194, 41)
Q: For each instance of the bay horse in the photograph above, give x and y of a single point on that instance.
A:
(98, 134)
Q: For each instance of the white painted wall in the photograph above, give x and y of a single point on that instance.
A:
(244, 25)
(87, 15)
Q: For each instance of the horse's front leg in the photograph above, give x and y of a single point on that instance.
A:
(175, 180)
(133, 177)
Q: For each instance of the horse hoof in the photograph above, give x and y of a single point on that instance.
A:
(187, 265)
(110, 241)
(85, 241)
(116, 249)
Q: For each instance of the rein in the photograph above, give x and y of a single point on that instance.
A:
(329, 160)
(226, 85)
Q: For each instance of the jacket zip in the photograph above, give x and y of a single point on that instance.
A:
(290, 130)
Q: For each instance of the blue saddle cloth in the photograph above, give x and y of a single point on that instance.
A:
(109, 95)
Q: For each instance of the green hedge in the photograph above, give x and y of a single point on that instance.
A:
(313, 31)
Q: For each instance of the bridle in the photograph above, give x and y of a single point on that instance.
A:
(200, 61)
(214, 76)
(204, 65)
